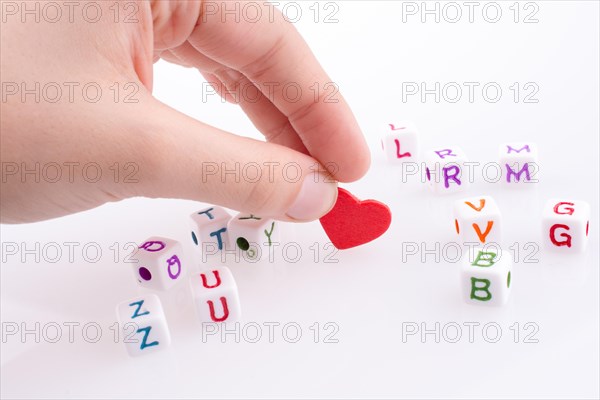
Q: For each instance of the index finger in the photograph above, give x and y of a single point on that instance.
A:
(257, 41)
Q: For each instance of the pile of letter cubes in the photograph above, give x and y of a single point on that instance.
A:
(161, 263)
(485, 271)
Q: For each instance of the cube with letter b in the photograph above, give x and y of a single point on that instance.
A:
(486, 276)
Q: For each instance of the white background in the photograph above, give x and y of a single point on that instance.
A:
(371, 291)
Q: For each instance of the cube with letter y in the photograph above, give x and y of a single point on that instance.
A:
(254, 236)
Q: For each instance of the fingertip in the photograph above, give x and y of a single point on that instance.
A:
(353, 168)
(316, 197)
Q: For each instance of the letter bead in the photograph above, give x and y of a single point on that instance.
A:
(477, 220)
(161, 263)
(254, 236)
(143, 326)
(445, 170)
(519, 164)
(566, 225)
(209, 229)
(216, 296)
(486, 276)
(400, 142)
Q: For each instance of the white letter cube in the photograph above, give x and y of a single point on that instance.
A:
(209, 228)
(252, 235)
(143, 325)
(486, 276)
(477, 220)
(160, 263)
(566, 225)
(400, 142)
(216, 296)
(518, 163)
(445, 170)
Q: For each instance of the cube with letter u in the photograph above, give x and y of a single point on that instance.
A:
(216, 296)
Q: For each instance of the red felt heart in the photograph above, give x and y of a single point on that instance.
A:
(352, 222)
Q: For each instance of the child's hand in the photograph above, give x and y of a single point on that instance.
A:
(59, 131)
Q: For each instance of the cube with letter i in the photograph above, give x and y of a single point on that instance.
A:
(216, 296)
(400, 142)
(486, 276)
(566, 225)
(477, 220)
(143, 325)
(445, 169)
(519, 163)
(160, 263)
(209, 229)
(254, 236)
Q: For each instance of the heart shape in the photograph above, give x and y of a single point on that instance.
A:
(353, 222)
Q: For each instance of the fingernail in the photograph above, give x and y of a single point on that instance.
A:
(316, 197)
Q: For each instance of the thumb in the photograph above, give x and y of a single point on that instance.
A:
(190, 160)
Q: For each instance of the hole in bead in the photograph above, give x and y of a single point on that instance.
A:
(243, 243)
(194, 238)
(587, 228)
(145, 273)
